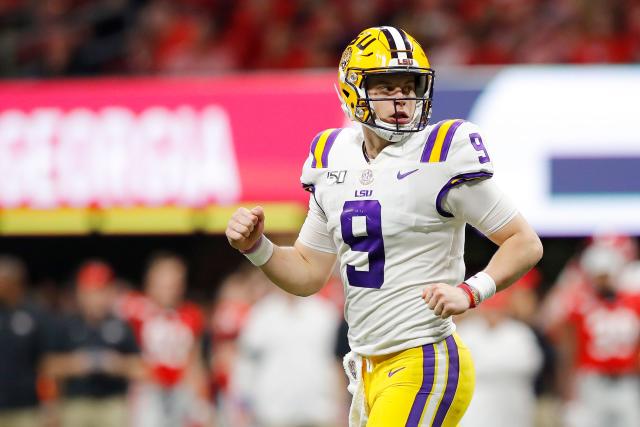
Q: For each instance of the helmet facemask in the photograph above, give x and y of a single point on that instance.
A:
(396, 132)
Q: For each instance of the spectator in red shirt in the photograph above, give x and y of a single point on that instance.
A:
(169, 331)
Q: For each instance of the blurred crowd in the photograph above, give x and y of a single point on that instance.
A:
(104, 352)
(96, 37)
(565, 357)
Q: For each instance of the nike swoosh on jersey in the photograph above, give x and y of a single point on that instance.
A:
(395, 371)
(406, 174)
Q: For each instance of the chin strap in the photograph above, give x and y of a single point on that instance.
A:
(389, 135)
(394, 135)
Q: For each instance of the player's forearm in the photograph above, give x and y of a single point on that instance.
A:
(517, 255)
(292, 272)
(298, 270)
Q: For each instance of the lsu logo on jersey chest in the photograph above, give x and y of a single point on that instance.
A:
(366, 179)
(363, 193)
(402, 186)
(340, 176)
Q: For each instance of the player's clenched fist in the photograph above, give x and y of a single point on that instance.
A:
(445, 300)
(245, 228)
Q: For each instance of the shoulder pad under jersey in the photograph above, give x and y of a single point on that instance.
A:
(458, 143)
(319, 157)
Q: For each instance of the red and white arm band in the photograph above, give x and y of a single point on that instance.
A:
(483, 285)
(472, 294)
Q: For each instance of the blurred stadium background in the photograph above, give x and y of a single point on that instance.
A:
(132, 128)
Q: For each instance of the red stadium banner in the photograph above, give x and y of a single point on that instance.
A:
(109, 145)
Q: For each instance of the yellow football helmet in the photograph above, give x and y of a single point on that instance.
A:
(381, 50)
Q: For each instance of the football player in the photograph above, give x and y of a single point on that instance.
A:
(389, 200)
(598, 339)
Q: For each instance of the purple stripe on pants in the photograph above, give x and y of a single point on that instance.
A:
(448, 138)
(452, 382)
(314, 143)
(428, 373)
(428, 148)
(327, 147)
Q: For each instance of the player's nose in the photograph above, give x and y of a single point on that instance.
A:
(399, 101)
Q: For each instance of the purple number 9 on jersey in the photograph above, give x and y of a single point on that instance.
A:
(476, 141)
(371, 242)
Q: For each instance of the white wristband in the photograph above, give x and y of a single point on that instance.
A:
(483, 283)
(261, 252)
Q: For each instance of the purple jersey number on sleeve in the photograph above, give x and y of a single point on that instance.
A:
(476, 141)
(372, 242)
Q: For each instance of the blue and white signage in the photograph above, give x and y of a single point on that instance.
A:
(565, 142)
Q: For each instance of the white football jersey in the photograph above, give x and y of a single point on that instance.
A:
(390, 227)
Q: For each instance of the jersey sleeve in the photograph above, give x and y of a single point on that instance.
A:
(318, 159)
(314, 232)
(468, 152)
(193, 318)
(466, 156)
(481, 204)
(308, 176)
